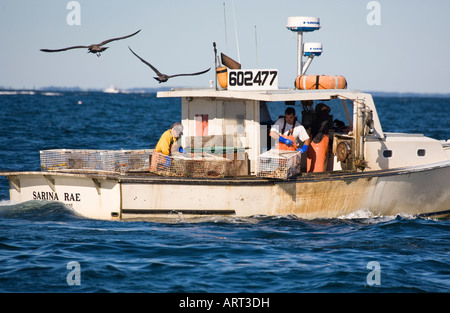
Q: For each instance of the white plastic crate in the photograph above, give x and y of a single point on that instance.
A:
(278, 164)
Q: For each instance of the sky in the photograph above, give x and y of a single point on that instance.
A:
(384, 45)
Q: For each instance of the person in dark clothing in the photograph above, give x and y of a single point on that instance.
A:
(317, 154)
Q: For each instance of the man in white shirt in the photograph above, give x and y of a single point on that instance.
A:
(290, 133)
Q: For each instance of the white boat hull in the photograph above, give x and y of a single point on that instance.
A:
(419, 191)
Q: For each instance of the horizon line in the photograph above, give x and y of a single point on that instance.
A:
(78, 88)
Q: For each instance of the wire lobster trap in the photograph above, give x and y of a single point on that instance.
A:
(95, 160)
(60, 159)
(278, 164)
(133, 160)
(198, 166)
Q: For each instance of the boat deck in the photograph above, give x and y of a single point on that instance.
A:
(147, 177)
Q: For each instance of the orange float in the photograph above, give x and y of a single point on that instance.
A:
(308, 82)
(222, 76)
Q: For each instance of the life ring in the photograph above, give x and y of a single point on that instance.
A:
(308, 82)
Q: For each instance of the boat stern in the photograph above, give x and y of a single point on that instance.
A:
(89, 196)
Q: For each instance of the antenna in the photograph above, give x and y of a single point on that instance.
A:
(256, 47)
(301, 24)
(225, 22)
(235, 31)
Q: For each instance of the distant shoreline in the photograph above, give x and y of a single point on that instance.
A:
(156, 89)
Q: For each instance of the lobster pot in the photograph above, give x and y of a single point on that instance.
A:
(199, 166)
(64, 159)
(54, 159)
(308, 82)
(96, 160)
(278, 164)
(133, 160)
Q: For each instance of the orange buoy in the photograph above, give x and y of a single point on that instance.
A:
(308, 82)
(222, 76)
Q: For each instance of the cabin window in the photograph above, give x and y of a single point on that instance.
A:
(421, 152)
(387, 153)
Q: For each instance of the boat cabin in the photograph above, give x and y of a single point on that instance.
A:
(236, 124)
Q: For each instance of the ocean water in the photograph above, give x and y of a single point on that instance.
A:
(45, 247)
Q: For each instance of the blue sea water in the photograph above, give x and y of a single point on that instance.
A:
(44, 247)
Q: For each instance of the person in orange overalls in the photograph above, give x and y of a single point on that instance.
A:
(290, 133)
(318, 151)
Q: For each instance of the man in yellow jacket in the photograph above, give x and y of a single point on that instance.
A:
(166, 146)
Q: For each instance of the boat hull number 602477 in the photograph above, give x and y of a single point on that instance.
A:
(252, 79)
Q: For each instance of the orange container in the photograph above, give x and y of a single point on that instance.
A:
(308, 82)
(222, 76)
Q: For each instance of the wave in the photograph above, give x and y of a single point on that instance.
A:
(36, 210)
(39, 209)
(368, 216)
(362, 217)
(7, 203)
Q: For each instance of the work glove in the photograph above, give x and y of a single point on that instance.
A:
(286, 141)
(181, 150)
(303, 149)
(167, 164)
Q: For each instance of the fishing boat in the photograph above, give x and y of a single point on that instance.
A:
(231, 167)
(111, 89)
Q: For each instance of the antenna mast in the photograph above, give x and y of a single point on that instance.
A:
(235, 31)
(256, 47)
(301, 24)
(225, 22)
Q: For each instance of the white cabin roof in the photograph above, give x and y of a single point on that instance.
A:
(265, 95)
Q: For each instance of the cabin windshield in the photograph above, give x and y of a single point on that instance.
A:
(341, 113)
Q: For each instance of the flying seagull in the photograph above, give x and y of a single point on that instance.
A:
(162, 78)
(95, 48)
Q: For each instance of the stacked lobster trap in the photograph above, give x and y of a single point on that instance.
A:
(96, 160)
(201, 165)
(278, 164)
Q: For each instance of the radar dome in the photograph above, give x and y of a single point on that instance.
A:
(312, 49)
(303, 24)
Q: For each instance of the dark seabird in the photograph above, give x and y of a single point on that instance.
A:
(162, 78)
(95, 48)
